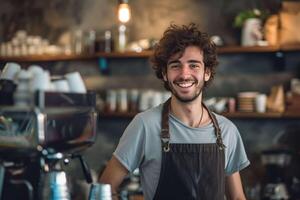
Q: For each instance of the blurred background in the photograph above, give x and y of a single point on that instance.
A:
(259, 48)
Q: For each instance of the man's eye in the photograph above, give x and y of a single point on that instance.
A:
(174, 66)
(194, 66)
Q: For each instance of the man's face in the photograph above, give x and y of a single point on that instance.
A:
(186, 74)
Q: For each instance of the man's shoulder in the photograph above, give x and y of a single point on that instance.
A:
(224, 122)
(150, 114)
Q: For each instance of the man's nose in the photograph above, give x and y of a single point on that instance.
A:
(185, 69)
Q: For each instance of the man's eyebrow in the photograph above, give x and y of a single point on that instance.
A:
(189, 61)
(173, 61)
(195, 61)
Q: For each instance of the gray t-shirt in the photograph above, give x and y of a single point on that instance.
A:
(140, 145)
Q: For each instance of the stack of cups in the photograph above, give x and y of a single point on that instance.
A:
(23, 83)
(41, 79)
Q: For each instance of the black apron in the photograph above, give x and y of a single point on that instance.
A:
(190, 171)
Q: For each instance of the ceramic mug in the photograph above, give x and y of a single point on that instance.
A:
(75, 82)
(10, 70)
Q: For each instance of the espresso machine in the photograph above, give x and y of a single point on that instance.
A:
(38, 140)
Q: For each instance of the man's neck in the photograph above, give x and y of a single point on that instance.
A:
(189, 113)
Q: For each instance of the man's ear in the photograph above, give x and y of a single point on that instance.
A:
(207, 74)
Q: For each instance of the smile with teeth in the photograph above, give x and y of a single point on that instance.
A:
(185, 84)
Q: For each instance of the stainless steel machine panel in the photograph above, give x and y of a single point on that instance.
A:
(62, 121)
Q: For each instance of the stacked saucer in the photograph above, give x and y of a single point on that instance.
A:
(246, 101)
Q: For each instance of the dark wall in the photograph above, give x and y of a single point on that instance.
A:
(52, 18)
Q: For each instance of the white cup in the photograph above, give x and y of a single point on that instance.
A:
(35, 69)
(61, 85)
(10, 70)
(75, 82)
(122, 100)
(260, 103)
(134, 98)
(41, 81)
(111, 100)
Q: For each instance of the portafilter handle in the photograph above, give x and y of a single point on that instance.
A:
(85, 168)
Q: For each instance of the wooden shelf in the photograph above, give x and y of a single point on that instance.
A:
(292, 47)
(251, 49)
(46, 58)
(49, 58)
(270, 115)
(253, 115)
(144, 54)
(235, 115)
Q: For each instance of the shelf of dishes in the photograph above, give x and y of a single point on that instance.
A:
(141, 54)
(235, 115)
(126, 103)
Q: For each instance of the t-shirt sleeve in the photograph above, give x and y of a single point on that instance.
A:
(130, 150)
(237, 157)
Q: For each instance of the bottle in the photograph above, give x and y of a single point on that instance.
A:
(77, 42)
(90, 42)
(122, 38)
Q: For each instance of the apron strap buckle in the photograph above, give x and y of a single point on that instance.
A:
(220, 143)
(166, 147)
(166, 144)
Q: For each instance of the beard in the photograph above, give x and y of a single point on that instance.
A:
(186, 98)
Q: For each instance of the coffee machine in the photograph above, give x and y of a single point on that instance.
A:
(37, 140)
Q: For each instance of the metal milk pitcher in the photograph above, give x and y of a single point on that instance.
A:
(100, 191)
(55, 186)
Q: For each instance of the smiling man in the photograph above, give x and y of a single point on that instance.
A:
(183, 150)
(186, 74)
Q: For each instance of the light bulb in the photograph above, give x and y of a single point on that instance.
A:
(124, 12)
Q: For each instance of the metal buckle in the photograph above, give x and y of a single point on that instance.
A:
(166, 147)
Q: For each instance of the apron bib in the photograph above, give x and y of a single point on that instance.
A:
(190, 171)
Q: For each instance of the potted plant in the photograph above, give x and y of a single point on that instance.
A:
(250, 22)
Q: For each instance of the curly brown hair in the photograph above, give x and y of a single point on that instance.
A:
(175, 40)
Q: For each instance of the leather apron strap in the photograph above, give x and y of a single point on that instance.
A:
(217, 128)
(165, 134)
